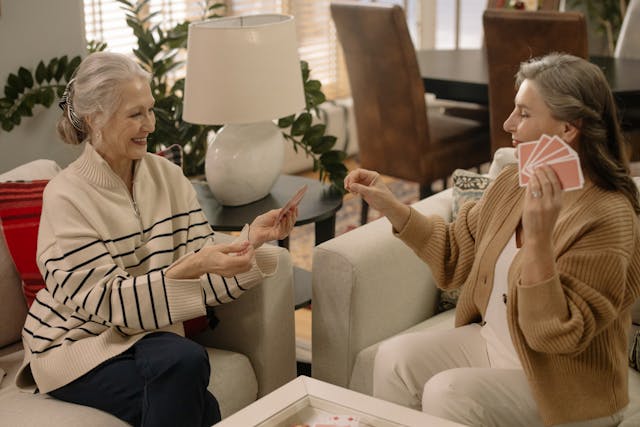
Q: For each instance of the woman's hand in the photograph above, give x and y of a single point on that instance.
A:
(266, 227)
(224, 259)
(542, 203)
(368, 185)
(227, 259)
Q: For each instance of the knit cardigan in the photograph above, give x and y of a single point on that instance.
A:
(569, 331)
(103, 253)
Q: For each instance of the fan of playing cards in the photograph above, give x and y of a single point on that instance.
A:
(553, 151)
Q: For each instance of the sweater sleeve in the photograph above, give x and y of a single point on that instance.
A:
(81, 273)
(598, 278)
(448, 248)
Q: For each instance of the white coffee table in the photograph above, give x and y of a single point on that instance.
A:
(306, 400)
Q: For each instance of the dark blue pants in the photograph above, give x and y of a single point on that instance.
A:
(160, 381)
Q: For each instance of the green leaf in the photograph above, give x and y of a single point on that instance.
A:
(7, 125)
(301, 124)
(61, 67)
(312, 86)
(15, 83)
(26, 77)
(41, 72)
(315, 131)
(51, 69)
(11, 93)
(71, 67)
(304, 66)
(48, 97)
(324, 144)
(286, 122)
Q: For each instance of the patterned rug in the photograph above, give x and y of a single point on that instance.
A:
(347, 218)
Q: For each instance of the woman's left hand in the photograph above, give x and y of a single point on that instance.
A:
(542, 203)
(266, 227)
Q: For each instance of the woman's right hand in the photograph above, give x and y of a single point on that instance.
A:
(368, 185)
(223, 259)
(227, 259)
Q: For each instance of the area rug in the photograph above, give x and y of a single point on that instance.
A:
(301, 241)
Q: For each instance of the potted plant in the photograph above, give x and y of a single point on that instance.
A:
(159, 52)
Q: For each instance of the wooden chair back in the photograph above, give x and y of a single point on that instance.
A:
(512, 37)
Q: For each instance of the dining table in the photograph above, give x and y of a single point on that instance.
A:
(463, 75)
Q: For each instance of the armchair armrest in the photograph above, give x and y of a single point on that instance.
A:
(367, 286)
(260, 324)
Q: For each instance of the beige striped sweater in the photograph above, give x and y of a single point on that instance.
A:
(104, 253)
(569, 331)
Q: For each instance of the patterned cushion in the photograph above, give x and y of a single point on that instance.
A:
(467, 186)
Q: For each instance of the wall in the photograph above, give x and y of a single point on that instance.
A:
(31, 30)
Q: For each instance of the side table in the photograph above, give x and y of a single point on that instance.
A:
(319, 206)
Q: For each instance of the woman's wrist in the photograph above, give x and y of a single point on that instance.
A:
(398, 214)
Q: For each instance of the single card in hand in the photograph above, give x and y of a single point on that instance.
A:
(525, 149)
(554, 152)
(293, 202)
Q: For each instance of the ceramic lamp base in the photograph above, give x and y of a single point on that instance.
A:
(244, 161)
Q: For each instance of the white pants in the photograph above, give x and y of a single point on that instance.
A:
(447, 374)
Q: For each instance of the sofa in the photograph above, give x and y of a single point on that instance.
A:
(368, 286)
(252, 349)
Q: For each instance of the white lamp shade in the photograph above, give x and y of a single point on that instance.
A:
(242, 69)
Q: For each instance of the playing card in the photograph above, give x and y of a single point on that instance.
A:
(524, 153)
(556, 153)
(293, 202)
(541, 143)
(569, 173)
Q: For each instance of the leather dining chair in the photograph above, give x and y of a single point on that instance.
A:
(512, 37)
(397, 136)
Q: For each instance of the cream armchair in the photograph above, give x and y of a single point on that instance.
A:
(368, 286)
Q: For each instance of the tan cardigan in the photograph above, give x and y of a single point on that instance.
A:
(569, 331)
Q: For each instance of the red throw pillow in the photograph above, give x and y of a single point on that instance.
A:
(20, 207)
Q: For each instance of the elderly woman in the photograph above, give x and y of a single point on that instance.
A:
(127, 256)
(549, 276)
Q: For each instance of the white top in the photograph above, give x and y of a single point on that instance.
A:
(495, 331)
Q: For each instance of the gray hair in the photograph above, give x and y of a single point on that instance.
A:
(95, 92)
(577, 91)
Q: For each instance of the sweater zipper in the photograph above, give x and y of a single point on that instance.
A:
(137, 212)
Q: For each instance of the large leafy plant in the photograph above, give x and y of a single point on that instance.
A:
(162, 53)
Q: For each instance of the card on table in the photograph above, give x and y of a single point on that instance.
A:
(293, 202)
(554, 152)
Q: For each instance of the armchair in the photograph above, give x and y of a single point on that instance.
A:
(368, 286)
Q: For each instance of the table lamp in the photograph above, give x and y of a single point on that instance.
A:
(243, 72)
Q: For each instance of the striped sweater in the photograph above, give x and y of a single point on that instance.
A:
(103, 254)
(570, 331)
